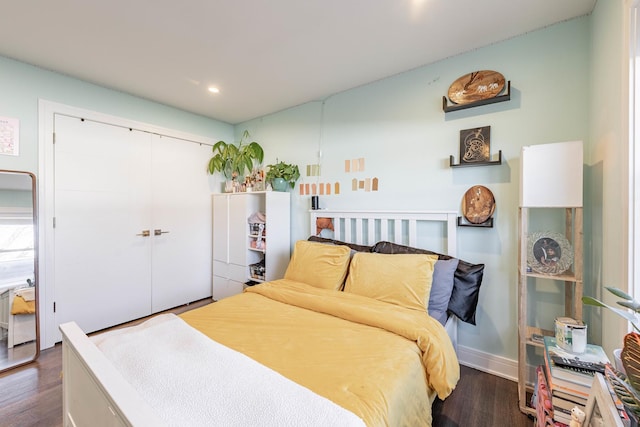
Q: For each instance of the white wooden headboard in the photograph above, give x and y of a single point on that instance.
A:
(369, 227)
(402, 227)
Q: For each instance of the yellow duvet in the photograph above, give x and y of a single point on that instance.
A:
(21, 306)
(383, 362)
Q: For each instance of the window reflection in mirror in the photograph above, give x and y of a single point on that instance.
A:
(18, 272)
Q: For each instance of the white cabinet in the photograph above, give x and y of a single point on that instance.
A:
(234, 255)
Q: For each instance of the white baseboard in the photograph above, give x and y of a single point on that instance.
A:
(489, 363)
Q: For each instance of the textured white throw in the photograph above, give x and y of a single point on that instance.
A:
(191, 380)
(28, 294)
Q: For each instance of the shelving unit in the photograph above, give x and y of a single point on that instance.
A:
(239, 249)
(547, 196)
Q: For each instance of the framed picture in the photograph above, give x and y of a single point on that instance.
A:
(475, 145)
(549, 252)
(600, 409)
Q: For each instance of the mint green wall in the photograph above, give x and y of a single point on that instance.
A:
(15, 198)
(398, 126)
(608, 166)
(22, 85)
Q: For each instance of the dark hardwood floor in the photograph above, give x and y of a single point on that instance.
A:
(32, 395)
(480, 400)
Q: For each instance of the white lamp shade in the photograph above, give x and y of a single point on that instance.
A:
(552, 175)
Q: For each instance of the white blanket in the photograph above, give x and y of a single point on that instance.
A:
(28, 294)
(191, 380)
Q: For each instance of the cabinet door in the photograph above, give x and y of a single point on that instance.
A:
(224, 287)
(181, 225)
(238, 228)
(220, 228)
(102, 204)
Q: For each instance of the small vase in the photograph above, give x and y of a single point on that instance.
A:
(280, 184)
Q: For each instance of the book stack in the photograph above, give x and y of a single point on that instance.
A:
(569, 386)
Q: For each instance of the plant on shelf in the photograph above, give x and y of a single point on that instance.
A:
(282, 175)
(233, 160)
(626, 385)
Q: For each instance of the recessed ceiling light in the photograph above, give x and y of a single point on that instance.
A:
(214, 89)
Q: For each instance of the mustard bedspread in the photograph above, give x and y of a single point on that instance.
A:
(21, 306)
(382, 362)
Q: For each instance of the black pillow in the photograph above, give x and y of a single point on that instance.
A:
(354, 246)
(466, 280)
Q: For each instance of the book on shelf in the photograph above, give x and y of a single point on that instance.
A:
(562, 416)
(543, 407)
(566, 389)
(572, 397)
(574, 376)
(544, 410)
(562, 404)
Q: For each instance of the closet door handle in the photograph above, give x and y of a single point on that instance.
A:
(158, 232)
(145, 233)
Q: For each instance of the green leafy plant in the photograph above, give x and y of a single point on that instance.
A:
(627, 302)
(625, 384)
(233, 160)
(289, 172)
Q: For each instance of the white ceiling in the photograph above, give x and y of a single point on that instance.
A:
(264, 55)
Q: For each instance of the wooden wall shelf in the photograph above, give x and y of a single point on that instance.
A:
(456, 107)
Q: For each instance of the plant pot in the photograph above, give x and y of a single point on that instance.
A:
(231, 186)
(279, 184)
(617, 360)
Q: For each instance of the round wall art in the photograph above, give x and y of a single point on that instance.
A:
(476, 86)
(478, 204)
(549, 252)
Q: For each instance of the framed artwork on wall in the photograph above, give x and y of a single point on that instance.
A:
(475, 145)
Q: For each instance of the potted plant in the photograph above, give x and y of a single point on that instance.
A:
(233, 160)
(282, 175)
(625, 384)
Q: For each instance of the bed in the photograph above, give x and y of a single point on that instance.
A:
(17, 315)
(329, 344)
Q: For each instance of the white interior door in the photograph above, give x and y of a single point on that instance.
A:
(102, 205)
(181, 255)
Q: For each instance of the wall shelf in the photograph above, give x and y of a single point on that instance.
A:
(485, 163)
(456, 107)
(487, 224)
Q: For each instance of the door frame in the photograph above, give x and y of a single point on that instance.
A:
(46, 119)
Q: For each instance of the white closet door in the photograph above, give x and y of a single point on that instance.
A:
(102, 204)
(181, 255)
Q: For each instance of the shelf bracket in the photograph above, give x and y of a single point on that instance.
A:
(485, 163)
(487, 224)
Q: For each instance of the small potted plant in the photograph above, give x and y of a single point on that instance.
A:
(233, 160)
(282, 175)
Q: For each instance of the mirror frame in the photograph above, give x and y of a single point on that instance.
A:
(36, 277)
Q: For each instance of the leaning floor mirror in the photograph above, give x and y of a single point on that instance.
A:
(18, 269)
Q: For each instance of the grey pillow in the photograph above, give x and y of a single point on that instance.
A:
(441, 288)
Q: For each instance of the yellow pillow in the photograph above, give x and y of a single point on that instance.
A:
(403, 280)
(318, 264)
